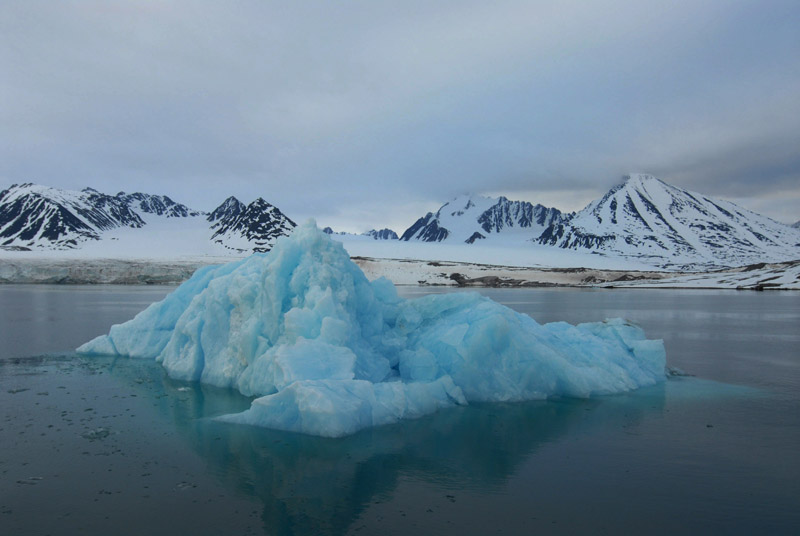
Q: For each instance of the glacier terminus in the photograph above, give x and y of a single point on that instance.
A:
(325, 351)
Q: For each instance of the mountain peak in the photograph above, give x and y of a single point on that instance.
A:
(462, 218)
(648, 219)
(639, 177)
(230, 208)
(160, 205)
(32, 215)
(260, 202)
(253, 227)
(641, 181)
(41, 217)
(381, 234)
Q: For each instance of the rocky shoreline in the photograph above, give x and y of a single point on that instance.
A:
(776, 276)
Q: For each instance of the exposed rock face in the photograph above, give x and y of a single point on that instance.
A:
(256, 226)
(229, 209)
(460, 219)
(38, 217)
(643, 219)
(383, 234)
(34, 216)
(160, 205)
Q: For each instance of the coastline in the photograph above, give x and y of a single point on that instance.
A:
(775, 276)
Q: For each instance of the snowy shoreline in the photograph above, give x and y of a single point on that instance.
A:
(776, 276)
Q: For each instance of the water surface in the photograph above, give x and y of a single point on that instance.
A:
(100, 445)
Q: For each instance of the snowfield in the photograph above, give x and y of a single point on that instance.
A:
(403, 263)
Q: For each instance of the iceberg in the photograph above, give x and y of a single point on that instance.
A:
(327, 352)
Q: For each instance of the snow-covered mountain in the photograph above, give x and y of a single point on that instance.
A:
(43, 218)
(647, 219)
(382, 234)
(796, 225)
(642, 219)
(471, 218)
(38, 216)
(253, 227)
(161, 205)
(642, 222)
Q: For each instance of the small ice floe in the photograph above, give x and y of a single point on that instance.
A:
(31, 481)
(674, 372)
(96, 434)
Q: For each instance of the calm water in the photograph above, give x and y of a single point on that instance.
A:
(115, 447)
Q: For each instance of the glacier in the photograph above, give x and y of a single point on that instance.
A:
(327, 352)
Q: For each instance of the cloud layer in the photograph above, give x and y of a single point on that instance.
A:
(366, 114)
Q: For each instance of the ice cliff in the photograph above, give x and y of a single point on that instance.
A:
(327, 352)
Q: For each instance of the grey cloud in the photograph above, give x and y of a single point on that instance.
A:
(377, 110)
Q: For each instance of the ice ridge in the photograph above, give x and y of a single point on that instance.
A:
(327, 352)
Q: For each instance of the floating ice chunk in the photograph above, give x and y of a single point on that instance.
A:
(328, 352)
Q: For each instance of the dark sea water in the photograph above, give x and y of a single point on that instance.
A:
(105, 446)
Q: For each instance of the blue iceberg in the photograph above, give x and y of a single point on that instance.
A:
(328, 352)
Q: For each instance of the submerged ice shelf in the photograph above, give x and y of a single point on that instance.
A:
(327, 352)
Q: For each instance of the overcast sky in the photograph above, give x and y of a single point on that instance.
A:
(367, 114)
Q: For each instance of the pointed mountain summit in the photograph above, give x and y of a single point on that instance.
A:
(648, 219)
(642, 219)
(230, 208)
(253, 227)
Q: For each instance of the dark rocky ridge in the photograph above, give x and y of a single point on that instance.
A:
(38, 217)
(258, 223)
